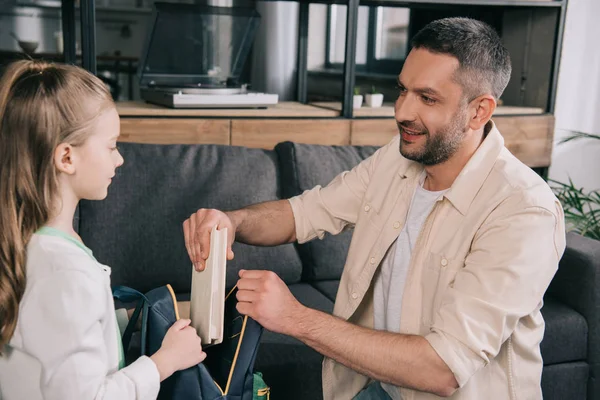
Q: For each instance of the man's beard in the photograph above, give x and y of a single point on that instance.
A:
(439, 147)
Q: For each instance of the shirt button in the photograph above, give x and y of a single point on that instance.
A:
(354, 295)
(372, 260)
(444, 262)
(367, 208)
(396, 225)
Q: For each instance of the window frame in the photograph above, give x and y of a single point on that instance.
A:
(384, 66)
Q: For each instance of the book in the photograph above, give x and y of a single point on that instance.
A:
(207, 300)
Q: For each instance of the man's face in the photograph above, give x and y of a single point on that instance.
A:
(430, 111)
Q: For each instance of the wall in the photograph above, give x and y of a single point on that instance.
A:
(578, 97)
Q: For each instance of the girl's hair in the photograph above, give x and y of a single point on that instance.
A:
(41, 106)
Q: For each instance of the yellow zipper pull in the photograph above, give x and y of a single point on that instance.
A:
(264, 391)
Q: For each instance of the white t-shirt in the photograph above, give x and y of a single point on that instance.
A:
(391, 277)
(65, 344)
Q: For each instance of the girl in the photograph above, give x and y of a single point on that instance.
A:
(58, 331)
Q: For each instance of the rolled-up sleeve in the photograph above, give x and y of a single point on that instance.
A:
(333, 208)
(513, 258)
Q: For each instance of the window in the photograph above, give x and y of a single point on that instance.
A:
(381, 43)
(391, 33)
(337, 34)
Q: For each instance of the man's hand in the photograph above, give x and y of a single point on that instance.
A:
(264, 297)
(196, 230)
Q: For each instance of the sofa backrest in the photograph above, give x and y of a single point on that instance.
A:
(302, 167)
(577, 284)
(138, 229)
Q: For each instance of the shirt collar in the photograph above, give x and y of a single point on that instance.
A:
(468, 182)
(471, 178)
(49, 231)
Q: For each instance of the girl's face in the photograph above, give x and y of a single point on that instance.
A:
(98, 158)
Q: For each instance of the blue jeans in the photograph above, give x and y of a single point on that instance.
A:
(373, 391)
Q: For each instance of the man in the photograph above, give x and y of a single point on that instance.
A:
(455, 242)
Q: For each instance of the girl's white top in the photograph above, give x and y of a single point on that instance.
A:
(66, 341)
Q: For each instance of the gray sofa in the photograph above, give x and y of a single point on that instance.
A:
(137, 231)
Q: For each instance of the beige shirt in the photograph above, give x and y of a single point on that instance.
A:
(478, 273)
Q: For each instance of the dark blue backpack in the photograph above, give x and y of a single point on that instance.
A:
(227, 373)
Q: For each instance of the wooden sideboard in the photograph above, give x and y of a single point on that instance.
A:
(528, 133)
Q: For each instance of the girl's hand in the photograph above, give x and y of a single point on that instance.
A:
(181, 348)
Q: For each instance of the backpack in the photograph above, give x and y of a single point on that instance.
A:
(226, 373)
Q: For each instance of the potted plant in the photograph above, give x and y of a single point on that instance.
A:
(358, 99)
(582, 208)
(374, 99)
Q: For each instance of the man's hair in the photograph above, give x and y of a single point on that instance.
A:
(484, 61)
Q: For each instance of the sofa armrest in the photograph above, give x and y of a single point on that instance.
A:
(577, 284)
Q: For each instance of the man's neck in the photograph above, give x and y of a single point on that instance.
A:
(442, 176)
(64, 211)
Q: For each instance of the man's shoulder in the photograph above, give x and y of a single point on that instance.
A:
(516, 182)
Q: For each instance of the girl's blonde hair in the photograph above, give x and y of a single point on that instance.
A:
(41, 106)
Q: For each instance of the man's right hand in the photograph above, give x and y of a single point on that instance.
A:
(196, 230)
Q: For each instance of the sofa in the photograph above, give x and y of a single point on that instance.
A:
(137, 231)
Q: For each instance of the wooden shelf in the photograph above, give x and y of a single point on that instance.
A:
(387, 110)
(281, 110)
(284, 110)
(528, 137)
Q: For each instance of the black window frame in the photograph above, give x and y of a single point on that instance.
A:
(385, 66)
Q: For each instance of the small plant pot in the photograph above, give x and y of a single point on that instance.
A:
(357, 101)
(374, 100)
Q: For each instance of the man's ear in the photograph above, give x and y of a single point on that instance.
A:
(63, 158)
(483, 108)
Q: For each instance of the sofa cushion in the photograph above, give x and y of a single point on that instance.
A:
(138, 230)
(565, 381)
(302, 167)
(289, 367)
(565, 337)
(328, 288)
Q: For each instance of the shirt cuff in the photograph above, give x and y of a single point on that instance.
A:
(304, 231)
(146, 377)
(461, 360)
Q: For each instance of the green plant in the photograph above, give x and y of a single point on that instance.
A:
(357, 91)
(582, 209)
(373, 90)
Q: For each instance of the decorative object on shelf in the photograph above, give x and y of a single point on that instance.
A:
(374, 99)
(60, 46)
(358, 99)
(28, 47)
(582, 209)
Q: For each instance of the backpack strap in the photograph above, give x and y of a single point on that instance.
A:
(129, 295)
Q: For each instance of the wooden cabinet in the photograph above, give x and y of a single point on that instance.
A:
(175, 130)
(267, 133)
(528, 137)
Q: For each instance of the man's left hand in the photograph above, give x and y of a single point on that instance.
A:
(264, 297)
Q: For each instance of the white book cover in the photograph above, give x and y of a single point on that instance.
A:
(207, 301)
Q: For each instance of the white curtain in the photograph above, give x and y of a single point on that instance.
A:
(578, 97)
